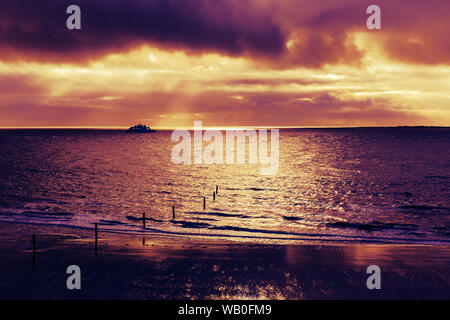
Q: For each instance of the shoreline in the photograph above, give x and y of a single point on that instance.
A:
(305, 239)
(161, 268)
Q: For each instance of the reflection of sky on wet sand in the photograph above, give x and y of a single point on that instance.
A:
(170, 268)
(309, 272)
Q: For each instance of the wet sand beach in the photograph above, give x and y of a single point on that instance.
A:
(155, 267)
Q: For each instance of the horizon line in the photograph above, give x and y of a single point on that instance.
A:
(163, 128)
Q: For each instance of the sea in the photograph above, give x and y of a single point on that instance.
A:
(336, 185)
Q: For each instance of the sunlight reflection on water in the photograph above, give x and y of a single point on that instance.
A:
(363, 185)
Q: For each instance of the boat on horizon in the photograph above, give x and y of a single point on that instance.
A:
(140, 128)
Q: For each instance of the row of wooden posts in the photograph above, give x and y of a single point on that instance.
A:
(173, 207)
(33, 238)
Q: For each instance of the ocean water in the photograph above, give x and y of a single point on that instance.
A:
(372, 185)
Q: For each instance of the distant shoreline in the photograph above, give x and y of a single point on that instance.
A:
(99, 128)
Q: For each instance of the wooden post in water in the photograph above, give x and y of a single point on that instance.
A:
(217, 189)
(34, 248)
(204, 202)
(214, 196)
(143, 219)
(96, 237)
(173, 212)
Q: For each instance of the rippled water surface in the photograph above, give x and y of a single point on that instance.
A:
(351, 185)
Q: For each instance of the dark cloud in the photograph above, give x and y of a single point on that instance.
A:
(325, 97)
(413, 31)
(38, 28)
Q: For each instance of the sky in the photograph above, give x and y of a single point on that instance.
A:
(228, 63)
